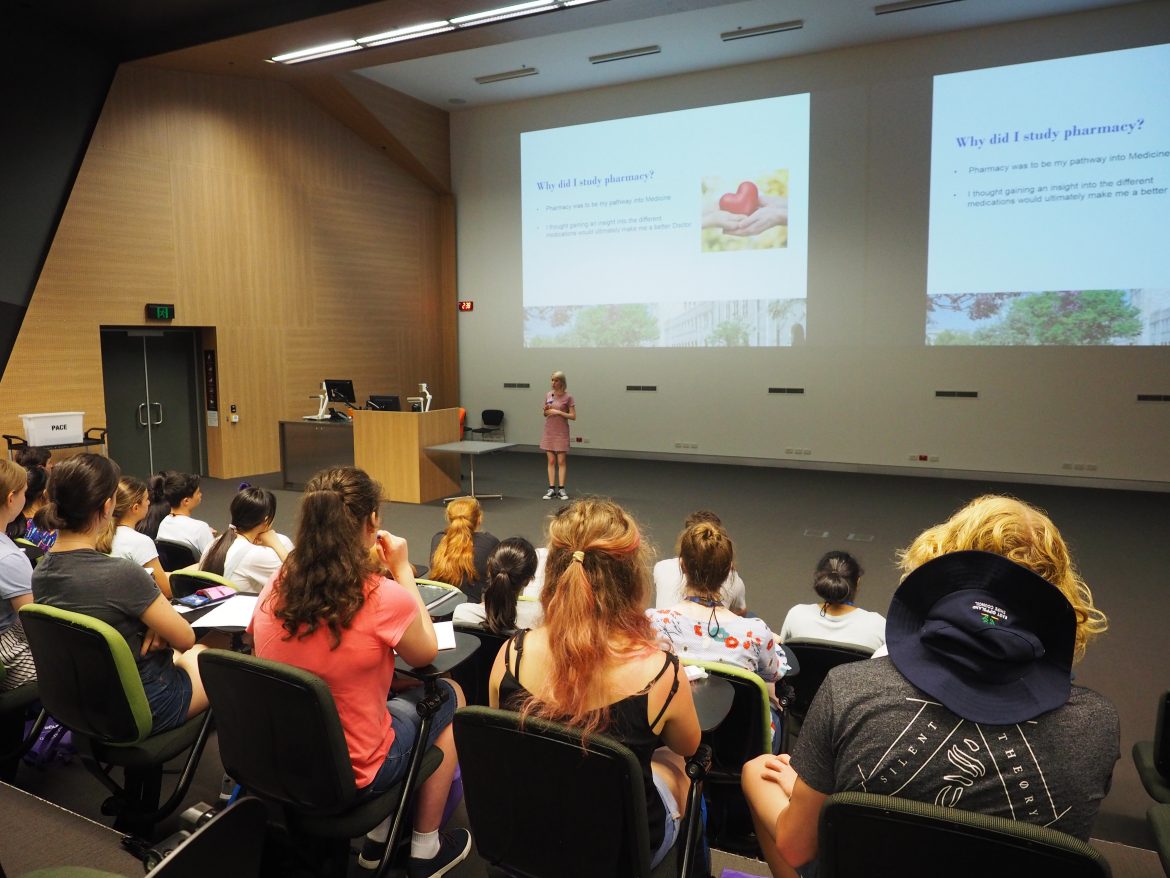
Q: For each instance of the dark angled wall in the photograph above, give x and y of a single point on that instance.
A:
(52, 88)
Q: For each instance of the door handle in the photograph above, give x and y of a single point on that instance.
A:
(141, 414)
(158, 423)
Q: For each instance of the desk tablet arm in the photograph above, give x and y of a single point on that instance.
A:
(697, 767)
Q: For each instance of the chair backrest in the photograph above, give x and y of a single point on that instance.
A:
(747, 730)
(279, 733)
(864, 834)
(172, 555)
(492, 417)
(86, 674)
(817, 658)
(1162, 736)
(231, 842)
(190, 581)
(31, 550)
(542, 802)
(472, 675)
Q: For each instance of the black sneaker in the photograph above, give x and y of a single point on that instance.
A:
(371, 855)
(454, 845)
(549, 494)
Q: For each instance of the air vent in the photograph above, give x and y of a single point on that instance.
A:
(1153, 397)
(643, 388)
(521, 385)
(785, 390)
(957, 394)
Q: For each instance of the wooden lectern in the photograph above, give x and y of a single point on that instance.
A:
(391, 447)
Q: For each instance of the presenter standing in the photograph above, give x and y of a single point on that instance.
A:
(559, 409)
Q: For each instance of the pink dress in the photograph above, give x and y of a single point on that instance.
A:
(556, 430)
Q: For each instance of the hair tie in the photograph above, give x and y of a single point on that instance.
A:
(243, 486)
(579, 556)
(232, 527)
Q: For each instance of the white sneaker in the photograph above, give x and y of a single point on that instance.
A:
(549, 494)
(561, 495)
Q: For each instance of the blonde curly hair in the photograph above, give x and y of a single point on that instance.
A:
(1020, 533)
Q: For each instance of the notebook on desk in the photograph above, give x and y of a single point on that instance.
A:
(433, 595)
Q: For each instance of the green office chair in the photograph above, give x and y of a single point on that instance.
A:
(31, 550)
(864, 835)
(16, 707)
(1152, 758)
(1158, 818)
(188, 582)
(281, 739)
(89, 682)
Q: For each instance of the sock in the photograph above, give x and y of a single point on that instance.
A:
(424, 845)
(380, 833)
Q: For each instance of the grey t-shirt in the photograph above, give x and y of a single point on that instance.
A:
(870, 730)
(115, 590)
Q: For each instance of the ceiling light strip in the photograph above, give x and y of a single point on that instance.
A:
(907, 5)
(624, 54)
(742, 33)
(530, 8)
(507, 74)
(317, 52)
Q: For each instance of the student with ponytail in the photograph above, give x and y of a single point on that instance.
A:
(837, 617)
(184, 495)
(459, 554)
(249, 552)
(159, 507)
(595, 663)
(76, 576)
(509, 569)
(343, 603)
(131, 505)
(30, 524)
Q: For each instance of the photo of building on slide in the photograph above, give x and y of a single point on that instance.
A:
(1058, 317)
(745, 214)
(733, 323)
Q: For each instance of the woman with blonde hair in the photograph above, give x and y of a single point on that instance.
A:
(459, 554)
(982, 635)
(595, 663)
(131, 505)
(15, 581)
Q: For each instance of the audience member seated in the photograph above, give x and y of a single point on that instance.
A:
(121, 539)
(341, 606)
(249, 552)
(31, 455)
(974, 706)
(596, 664)
(459, 554)
(669, 577)
(159, 507)
(510, 567)
(75, 576)
(837, 617)
(15, 582)
(700, 627)
(30, 524)
(184, 496)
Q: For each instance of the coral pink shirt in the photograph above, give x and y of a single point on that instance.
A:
(358, 672)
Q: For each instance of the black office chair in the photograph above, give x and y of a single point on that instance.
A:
(89, 682)
(230, 843)
(281, 739)
(1158, 818)
(545, 804)
(816, 659)
(1152, 758)
(17, 706)
(492, 421)
(472, 675)
(864, 835)
(174, 555)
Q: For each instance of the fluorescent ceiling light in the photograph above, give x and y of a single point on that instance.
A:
(906, 5)
(529, 8)
(568, 3)
(507, 74)
(742, 33)
(317, 52)
(625, 53)
(406, 33)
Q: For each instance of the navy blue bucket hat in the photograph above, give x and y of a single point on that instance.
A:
(989, 639)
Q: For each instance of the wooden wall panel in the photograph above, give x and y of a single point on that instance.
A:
(301, 249)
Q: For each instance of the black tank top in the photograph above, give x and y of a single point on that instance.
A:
(628, 725)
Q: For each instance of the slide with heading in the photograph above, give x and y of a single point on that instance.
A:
(1050, 203)
(682, 229)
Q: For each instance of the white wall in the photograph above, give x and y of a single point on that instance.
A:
(869, 380)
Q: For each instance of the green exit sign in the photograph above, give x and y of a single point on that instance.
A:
(160, 312)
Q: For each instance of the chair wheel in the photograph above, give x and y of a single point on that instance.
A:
(113, 806)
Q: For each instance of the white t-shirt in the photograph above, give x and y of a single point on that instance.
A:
(860, 627)
(185, 529)
(529, 614)
(668, 587)
(248, 566)
(129, 543)
(532, 590)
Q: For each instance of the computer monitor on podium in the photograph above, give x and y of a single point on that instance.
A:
(339, 390)
(386, 403)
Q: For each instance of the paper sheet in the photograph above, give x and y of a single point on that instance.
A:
(233, 613)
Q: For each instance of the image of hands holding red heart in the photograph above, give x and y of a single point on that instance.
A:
(746, 212)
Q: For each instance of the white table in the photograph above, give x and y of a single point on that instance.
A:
(473, 450)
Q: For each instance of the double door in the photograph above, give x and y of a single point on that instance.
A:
(151, 379)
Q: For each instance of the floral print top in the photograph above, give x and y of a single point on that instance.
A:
(746, 642)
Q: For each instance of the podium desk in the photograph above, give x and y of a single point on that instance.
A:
(391, 447)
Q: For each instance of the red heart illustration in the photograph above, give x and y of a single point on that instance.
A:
(745, 200)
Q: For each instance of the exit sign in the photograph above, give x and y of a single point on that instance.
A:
(467, 305)
(160, 312)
